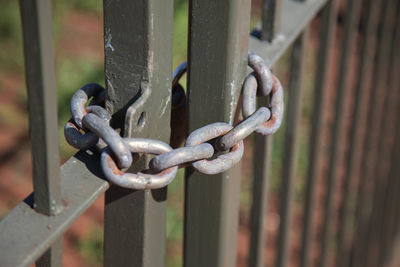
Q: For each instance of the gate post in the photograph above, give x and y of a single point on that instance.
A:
(218, 45)
(138, 50)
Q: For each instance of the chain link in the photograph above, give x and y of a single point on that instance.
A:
(90, 125)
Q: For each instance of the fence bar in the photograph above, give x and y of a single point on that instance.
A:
(271, 19)
(295, 89)
(82, 183)
(42, 107)
(261, 167)
(382, 105)
(296, 15)
(356, 136)
(347, 47)
(391, 181)
(327, 31)
(138, 49)
(371, 138)
(392, 227)
(392, 185)
(363, 88)
(218, 35)
(42, 104)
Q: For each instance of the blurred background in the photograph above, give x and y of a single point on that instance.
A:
(78, 41)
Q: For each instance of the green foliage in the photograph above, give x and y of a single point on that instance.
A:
(91, 247)
(180, 32)
(9, 21)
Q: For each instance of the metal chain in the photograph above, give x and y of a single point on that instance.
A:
(90, 126)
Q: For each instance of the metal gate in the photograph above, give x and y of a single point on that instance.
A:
(363, 231)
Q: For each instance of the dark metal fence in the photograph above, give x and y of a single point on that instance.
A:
(358, 160)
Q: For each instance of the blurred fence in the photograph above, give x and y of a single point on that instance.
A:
(353, 149)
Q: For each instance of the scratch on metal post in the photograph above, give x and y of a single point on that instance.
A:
(232, 104)
(108, 40)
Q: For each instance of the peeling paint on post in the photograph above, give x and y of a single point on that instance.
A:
(138, 53)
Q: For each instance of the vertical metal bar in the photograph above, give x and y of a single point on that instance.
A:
(271, 19)
(291, 144)
(356, 136)
(392, 227)
(361, 246)
(138, 49)
(388, 202)
(42, 104)
(218, 45)
(262, 153)
(351, 23)
(42, 107)
(382, 105)
(327, 31)
(352, 18)
(262, 167)
(390, 149)
(53, 256)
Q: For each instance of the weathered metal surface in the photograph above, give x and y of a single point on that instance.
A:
(372, 186)
(53, 256)
(268, 84)
(42, 107)
(80, 98)
(344, 237)
(42, 104)
(79, 140)
(244, 129)
(218, 34)
(327, 31)
(384, 65)
(222, 162)
(140, 180)
(262, 73)
(102, 129)
(262, 167)
(364, 75)
(138, 55)
(296, 15)
(295, 89)
(82, 183)
(348, 43)
(181, 156)
(388, 149)
(271, 19)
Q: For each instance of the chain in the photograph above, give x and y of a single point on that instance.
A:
(90, 127)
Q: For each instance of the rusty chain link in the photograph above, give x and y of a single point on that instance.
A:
(90, 126)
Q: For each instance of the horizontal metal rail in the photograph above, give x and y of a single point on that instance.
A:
(296, 15)
(82, 181)
(26, 234)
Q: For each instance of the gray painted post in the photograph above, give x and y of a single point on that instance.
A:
(218, 45)
(42, 107)
(138, 49)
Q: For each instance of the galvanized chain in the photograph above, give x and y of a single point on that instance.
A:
(90, 126)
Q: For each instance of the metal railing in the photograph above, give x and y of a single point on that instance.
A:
(361, 183)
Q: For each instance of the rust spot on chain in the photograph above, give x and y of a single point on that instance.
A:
(277, 84)
(271, 122)
(111, 164)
